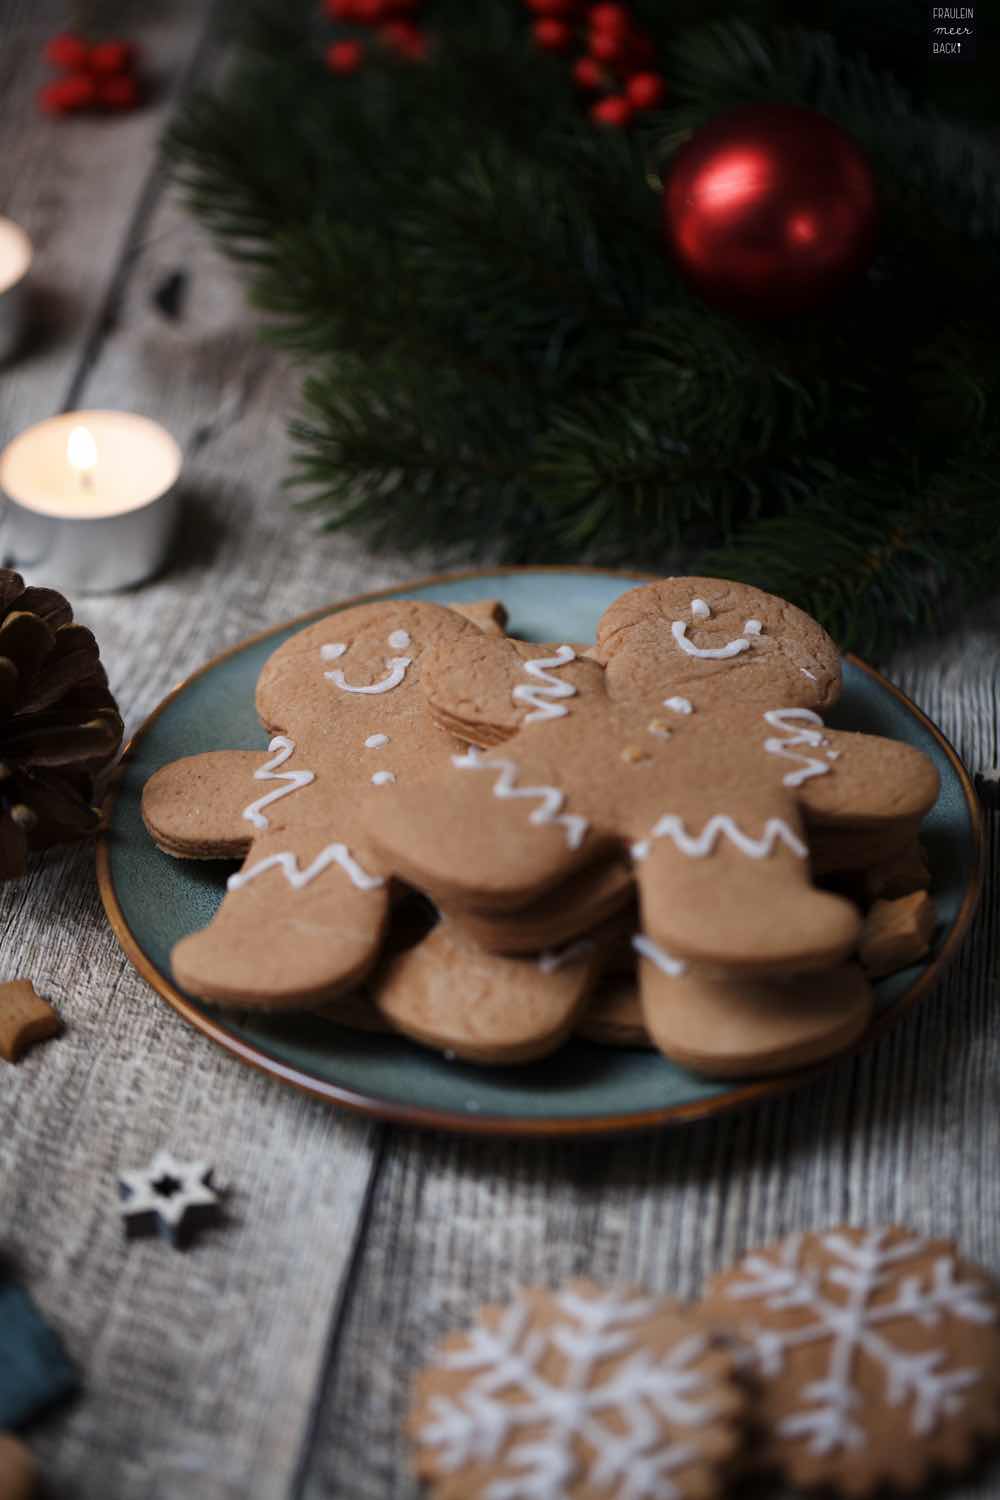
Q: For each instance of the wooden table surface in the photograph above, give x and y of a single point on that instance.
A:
(273, 1359)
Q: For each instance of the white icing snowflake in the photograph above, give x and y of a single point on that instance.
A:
(631, 1457)
(831, 1415)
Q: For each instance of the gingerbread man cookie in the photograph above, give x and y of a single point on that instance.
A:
(303, 919)
(692, 745)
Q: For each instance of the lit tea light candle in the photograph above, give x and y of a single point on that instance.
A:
(15, 261)
(93, 500)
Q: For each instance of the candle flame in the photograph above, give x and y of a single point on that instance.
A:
(81, 452)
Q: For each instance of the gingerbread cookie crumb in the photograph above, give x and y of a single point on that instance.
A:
(25, 1018)
(18, 1470)
(897, 933)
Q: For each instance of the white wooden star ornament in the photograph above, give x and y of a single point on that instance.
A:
(169, 1198)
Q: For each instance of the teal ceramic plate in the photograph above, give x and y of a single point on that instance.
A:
(152, 900)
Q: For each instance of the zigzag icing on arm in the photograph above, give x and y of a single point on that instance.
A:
(281, 748)
(795, 734)
(333, 854)
(505, 786)
(547, 688)
(721, 825)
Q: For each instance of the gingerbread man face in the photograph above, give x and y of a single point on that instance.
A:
(717, 644)
(304, 919)
(690, 745)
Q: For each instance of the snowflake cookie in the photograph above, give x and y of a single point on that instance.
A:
(578, 1394)
(876, 1354)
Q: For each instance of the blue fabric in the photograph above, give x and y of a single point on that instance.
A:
(34, 1370)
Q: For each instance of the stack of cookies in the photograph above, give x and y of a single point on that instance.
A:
(487, 844)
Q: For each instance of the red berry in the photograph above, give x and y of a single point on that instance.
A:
(340, 10)
(552, 7)
(111, 57)
(344, 57)
(614, 110)
(118, 92)
(402, 7)
(606, 47)
(67, 95)
(588, 74)
(66, 51)
(554, 36)
(645, 90)
(613, 20)
(369, 12)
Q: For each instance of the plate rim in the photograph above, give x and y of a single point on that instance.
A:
(490, 1125)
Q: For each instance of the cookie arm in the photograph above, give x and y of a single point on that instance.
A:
(300, 923)
(873, 782)
(193, 808)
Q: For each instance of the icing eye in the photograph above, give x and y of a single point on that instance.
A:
(332, 653)
(752, 627)
(699, 609)
(399, 640)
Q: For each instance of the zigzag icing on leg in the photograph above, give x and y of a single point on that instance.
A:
(701, 845)
(333, 854)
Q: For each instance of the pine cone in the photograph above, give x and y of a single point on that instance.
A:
(59, 725)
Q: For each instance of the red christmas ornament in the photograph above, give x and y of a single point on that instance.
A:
(67, 96)
(645, 90)
(770, 209)
(344, 57)
(615, 110)
(553, 35)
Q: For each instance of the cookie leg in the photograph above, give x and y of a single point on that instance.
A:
(297, 927)
(483, 837)
(730, 1028)
(449, 994)
(740, 897)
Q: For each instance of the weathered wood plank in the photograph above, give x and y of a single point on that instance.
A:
(909, 1131)
(199, 1370)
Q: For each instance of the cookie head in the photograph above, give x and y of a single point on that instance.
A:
(718, 642)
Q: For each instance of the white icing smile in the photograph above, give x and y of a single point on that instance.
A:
(701, 611)
(397, 666)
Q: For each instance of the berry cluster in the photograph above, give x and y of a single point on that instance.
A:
(97, 75)
(616, 63)
(391, 22)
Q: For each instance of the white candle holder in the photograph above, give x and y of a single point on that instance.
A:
(15, 262)
(92, 500)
